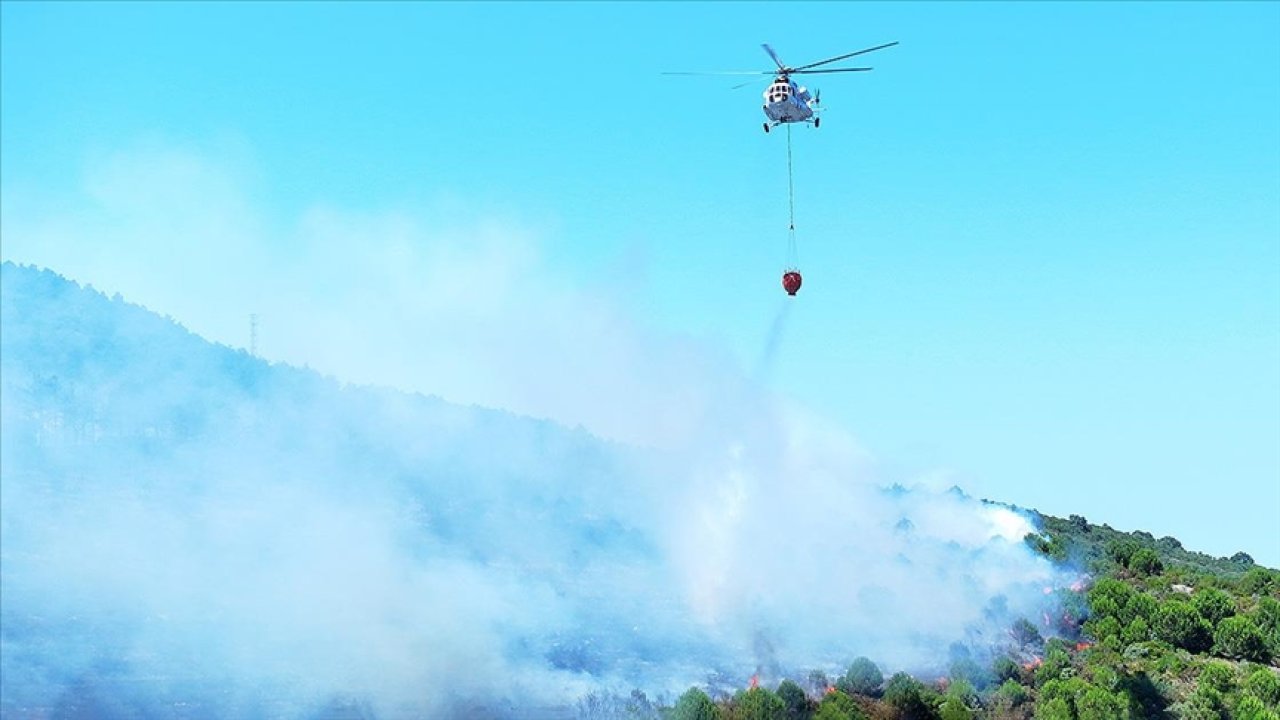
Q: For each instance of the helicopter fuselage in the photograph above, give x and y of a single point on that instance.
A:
(786, 102)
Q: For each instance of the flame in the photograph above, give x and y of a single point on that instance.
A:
(1082, 646)
(1036, 662)
(755, 681)
(830, 689)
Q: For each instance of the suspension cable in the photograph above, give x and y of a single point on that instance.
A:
(793, 254)
(791, 192)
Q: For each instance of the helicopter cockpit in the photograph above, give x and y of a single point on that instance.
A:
(779, 91)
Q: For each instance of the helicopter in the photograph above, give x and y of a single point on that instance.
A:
(785, 101)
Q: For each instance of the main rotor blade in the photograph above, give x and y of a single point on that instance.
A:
(842, 57)
(724, 72)
(814, 72)
(773, 55)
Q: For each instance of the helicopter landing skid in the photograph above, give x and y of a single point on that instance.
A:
(816, 122)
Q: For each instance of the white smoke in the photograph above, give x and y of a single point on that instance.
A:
(414, 555)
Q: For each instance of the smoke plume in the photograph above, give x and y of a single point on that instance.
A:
(191, 531)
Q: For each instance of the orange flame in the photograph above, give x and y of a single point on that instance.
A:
(755, 681)
(1036, 662)
(830, 689)
(1082, 646)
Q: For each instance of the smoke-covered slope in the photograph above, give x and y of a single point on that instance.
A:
(190, 531)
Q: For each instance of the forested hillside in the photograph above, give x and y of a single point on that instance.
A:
(190, 531)
(1156, 632)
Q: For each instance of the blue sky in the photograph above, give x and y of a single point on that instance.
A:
(1041, 242)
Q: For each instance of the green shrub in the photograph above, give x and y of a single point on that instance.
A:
(1267, 616)
(1251, 708)
(1217, 675)
(1136, 631)
(1178, 624)
(1238, 637)
(1264, 685)
(1257, 581)
(1204, 704)
(1140, 605)
(1213, 605)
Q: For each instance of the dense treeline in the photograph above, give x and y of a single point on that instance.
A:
(1156, 632)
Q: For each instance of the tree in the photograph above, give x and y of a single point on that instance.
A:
(1213, 605)
(794, 703)
(1104, 628)
(694, 705)
(1013, 692)
(759, 704)
(963, 691)
(1139, 605)
(838, 706)
(1004, 668)
(908, 695)
(818, 682)
(831, 712)
(953, 708)
(1146, 562)
(1136, 631)
(1238, 637)
(1178, 623)
(1054, 547)
(1055, 661)
(1242, 558)
(1025, 633)
(1122, 550)
(1099, 704)
(965, 670)
(1055, 709)
(863, 678)
(1108, 596)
